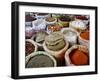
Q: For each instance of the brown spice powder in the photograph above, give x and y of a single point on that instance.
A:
(29, 48)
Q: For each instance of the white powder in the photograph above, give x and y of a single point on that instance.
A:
(78, 24)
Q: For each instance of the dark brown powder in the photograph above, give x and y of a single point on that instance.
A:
(29, 48)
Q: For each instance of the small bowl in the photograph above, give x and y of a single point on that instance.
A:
(65, 21)
(48, 22)
(42, 63)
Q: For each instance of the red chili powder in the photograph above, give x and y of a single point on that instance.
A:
(85, 35)
(78, 57)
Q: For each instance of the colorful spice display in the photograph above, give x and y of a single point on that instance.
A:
(52, 36)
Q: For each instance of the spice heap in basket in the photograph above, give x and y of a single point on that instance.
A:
(54, 40)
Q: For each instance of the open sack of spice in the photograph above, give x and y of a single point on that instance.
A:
(39, 25)
(40, 59)
(77, 55)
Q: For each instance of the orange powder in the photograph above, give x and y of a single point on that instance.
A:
(78, 57)
(85, 35)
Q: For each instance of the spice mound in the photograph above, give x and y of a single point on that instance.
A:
(55, 41)
(29, 48)
(70, 35)
(65, 18)
(85, 35)
(79, 57)
(40, 61)
(81, 17)
(40, 37)
(50, 19)
(78, 24)
(54, 28)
